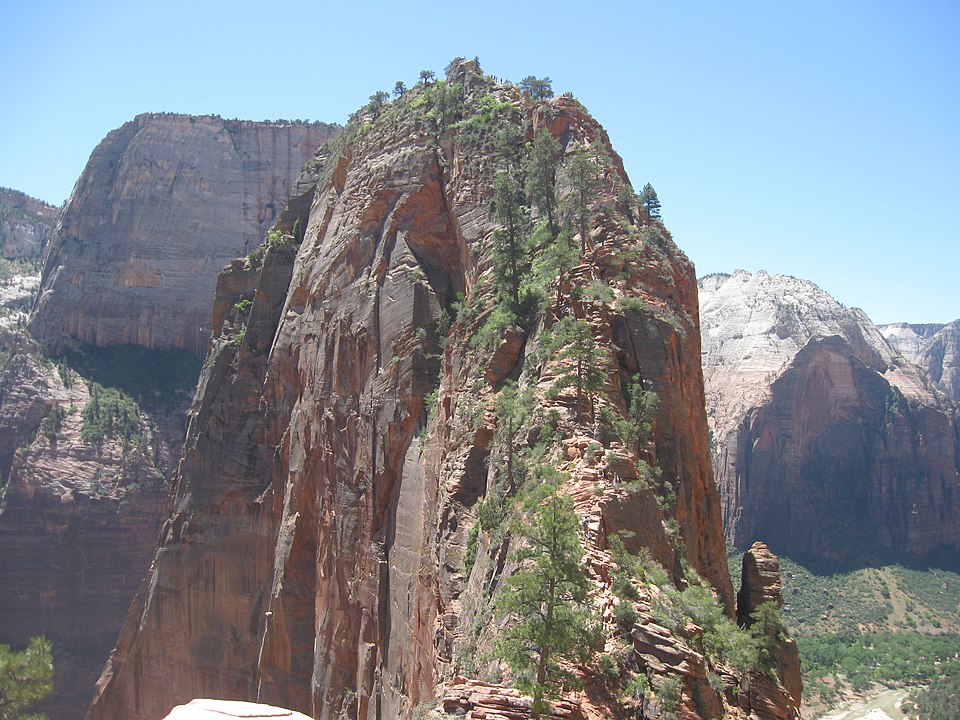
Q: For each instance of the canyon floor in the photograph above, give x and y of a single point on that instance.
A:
(880, 704)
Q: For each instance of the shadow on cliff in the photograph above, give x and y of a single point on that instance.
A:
(157, 379)
(942, 558)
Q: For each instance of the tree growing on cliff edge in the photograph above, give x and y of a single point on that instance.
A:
(377, 101)
(547, 597)
(538, 88)
(585, 182)
(583, 360)
(25, 679)
(509, 251)
(540, 168)
(650, 202)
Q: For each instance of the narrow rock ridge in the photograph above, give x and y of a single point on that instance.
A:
(344, 432)
(163, 204)
(761, 583)
(828, 445)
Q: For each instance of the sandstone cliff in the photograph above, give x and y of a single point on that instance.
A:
(163, 204)
(324, 552)
(933, 348)
(80, 513)
(25, 225)
(828, 444)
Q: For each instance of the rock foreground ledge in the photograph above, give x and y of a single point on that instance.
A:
(204, 709)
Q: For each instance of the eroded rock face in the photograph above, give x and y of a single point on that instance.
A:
(760, 583)
(25, 225)
(828, 444)
(78, 521)
(934, 348)
(316, 553)
(164, 203)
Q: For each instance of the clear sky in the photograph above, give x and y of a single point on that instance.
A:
(816, 138)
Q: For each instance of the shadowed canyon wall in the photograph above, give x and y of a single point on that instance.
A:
(828, 444)
(164, 203)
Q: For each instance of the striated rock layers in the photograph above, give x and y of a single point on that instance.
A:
(25, 225)
(828, 444)
(324, 552)
(935, 349)
(163, 204)
(79, 517)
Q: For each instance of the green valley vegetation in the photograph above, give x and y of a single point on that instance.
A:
(940, 698)
(891, 625)
(26, 678)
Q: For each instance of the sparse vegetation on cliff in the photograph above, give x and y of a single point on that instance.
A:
(548, 596)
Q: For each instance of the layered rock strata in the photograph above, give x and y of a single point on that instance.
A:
(761, 583)
(935, 349)
(828, 444)
(345, 429)
(163, 204)
(79, 518)
(25, 225)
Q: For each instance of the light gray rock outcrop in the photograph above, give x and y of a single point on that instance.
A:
(164, 203)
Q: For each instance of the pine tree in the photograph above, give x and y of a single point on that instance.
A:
(560, 257)
(573, 343)
(509, 254)
(547, 597)
(377, 100)
(399, 90)
(540, 168)
(650, 202)
(25, 678)
(511, 408)
(585, 182)
(538, 88)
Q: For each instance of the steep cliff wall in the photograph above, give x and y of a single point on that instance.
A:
(25, 225)
(934, 348)
(164, 203)
(346, 429)
(79, 516)
(828, 445)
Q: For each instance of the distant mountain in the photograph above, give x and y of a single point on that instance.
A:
(934, 348)
(164, 202)
(25, 225)
(828, 444)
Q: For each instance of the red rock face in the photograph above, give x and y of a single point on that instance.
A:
(840, 467)
(828, 444)
(78, 524)
(164, 203)
(315, 555)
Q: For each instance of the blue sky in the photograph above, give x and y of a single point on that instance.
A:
(815, 138)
